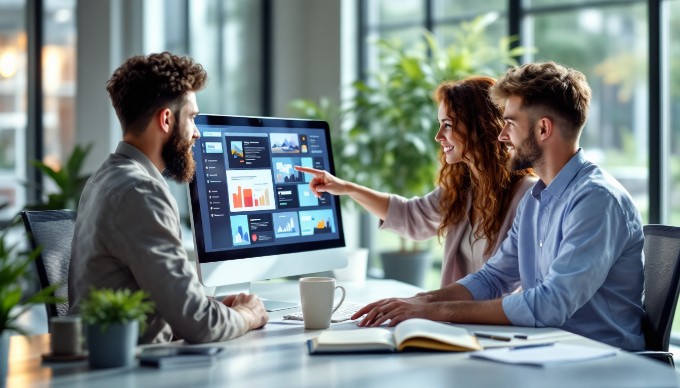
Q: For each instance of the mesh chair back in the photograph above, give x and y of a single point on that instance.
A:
(53, 231)
(662, 283)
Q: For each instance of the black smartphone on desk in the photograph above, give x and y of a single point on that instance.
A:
(178, 356)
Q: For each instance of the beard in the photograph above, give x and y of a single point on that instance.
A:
(526, 155)
(178, 157)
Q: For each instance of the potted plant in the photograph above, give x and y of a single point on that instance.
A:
(14, 274)
(388, 125)
(113, 320)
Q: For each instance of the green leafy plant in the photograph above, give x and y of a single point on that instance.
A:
(14, 272)
(68, 179)
(106, 306)
(384, 134)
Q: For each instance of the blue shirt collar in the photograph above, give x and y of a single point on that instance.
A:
(563, 178)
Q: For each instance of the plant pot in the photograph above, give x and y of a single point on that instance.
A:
(112, 346)
(4, 355)
(408, 267)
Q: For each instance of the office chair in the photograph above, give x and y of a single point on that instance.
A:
(53, 231)
(662, 285)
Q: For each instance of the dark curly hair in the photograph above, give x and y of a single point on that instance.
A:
(144, 84)
(548, 89)
(469, 101)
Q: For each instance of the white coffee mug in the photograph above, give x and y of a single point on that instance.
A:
(66, 335)
(316, 295)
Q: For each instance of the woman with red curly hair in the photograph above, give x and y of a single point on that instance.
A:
(477, 194)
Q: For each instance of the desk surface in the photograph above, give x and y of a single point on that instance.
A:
(277, 356)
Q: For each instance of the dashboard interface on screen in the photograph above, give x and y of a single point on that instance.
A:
(246, 197)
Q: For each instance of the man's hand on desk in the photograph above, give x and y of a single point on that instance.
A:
(453, 303)
(395, 310)
(250, 307)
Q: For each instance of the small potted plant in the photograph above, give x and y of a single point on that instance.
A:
(113, 320)
(14, 275)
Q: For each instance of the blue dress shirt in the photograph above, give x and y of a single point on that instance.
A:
(575, 248)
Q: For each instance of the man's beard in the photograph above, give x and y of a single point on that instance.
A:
(178, 157)
(526, 155)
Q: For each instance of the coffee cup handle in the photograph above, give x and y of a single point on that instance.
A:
(337, 306)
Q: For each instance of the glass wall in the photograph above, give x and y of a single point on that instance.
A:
(671, 49)
(225, 37)
(58, 94)
(59, 82)
(13, 83)
(608, 43)
(671, 122)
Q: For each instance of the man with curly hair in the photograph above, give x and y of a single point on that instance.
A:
(127, 233)
(575, 246)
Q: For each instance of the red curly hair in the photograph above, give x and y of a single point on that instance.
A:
(468, 101)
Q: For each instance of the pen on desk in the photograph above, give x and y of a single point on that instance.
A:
(492, 336)
(532, 346)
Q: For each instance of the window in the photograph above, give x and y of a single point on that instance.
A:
(671, 78)
(58, 81)
(608, 43)
(13, 80)
(224, 36)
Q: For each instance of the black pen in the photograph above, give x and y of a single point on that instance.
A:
(532, 346)
(492, 336)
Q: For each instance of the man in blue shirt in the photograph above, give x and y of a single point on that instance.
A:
(575, 247)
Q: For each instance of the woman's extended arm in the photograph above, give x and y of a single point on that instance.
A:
(374, 201)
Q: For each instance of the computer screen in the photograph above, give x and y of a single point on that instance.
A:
(253, 215)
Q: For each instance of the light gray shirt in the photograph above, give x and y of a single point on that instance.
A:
(127, 235)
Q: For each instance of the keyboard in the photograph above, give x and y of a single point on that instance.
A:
(343, 313)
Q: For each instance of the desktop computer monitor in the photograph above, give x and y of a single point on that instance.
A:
(253, 215)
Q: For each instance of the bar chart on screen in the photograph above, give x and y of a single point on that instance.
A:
(250, 190)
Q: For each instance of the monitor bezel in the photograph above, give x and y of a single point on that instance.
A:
(204, 257)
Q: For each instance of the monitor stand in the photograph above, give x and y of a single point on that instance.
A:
(269, 305)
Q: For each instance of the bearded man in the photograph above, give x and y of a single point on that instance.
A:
(127, 232)
(573, 258)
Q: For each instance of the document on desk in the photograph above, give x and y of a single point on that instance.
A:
(545, 354)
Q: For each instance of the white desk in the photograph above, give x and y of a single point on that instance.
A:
(276, 356)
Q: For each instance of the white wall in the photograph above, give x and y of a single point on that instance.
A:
(108, 32)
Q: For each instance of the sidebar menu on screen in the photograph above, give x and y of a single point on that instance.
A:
(214, 175)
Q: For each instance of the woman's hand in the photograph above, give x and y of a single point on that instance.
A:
(324, 182)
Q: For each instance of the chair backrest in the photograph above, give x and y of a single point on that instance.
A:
(53, 231)
(662, 283)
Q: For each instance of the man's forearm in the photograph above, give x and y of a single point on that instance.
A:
(453, 292)
(486, 312)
